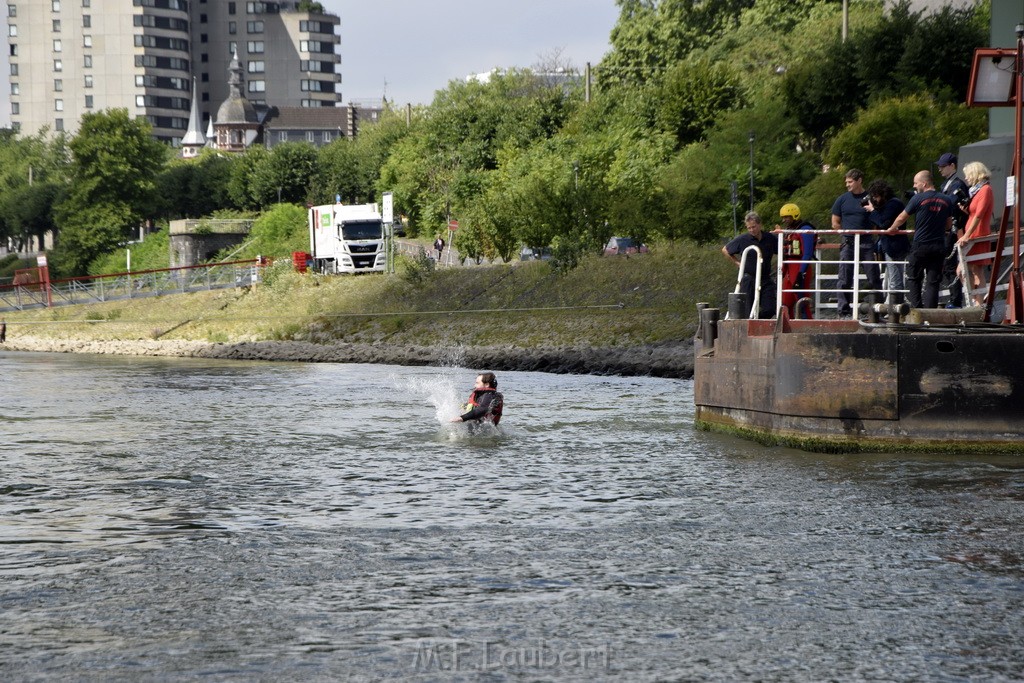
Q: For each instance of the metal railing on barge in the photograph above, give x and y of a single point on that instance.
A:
(825, 290)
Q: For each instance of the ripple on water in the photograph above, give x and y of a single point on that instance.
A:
(271, 521)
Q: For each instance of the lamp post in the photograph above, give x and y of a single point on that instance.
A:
(735, 203)
(751, 170)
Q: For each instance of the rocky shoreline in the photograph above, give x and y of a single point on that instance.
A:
(663, 360)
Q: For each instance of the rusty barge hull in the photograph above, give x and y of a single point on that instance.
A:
(838, 386)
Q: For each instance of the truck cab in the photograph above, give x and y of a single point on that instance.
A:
(347, 238)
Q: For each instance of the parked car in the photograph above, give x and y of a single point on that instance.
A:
(624, 245)
(528, 254)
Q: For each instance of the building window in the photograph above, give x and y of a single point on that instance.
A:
(140, 100)
(58, 105)
(87, 41)
(12, 31)
(202, 19)
(56, 25)
(86, 21)
(88, 101)
(255, 46)
(58, 125)
(232, 27)
(58, 65)
(204, 58)
(328, 136)
(206, 97)
(231, 8)
(310, 136)
(12, 10)
(55, 4)
(57, 46)
(203, 38)
(15, 108)
(257, 86)
(257, 67)
(87, 61)
(58, 84)
(205, 78)
(232, 48)
(282, 136)
(14, 49)
(14, 69)
(254, 27)
(88, 80)
(15, 89)
(86, 3)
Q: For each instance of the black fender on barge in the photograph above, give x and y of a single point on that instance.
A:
(843, 386)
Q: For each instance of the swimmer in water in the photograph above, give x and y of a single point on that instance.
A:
(485, 402)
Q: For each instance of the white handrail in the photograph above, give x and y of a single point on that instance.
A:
(856, 289)
(757, 278)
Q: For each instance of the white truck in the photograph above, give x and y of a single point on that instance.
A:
(347, 238)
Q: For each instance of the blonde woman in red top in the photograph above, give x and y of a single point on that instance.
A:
(979, 224)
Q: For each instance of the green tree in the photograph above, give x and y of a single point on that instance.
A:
(90, 232)
(243, 178)
(693, 95)
(192, 188)
(650, 36)
(696, 183)
(27, 210)
(438, 167)
(278, 232)
(895, 138)
(114, 162)
(286, 175)
(33, 177)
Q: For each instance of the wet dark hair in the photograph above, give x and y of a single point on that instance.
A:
(489, 379)
(880, 188)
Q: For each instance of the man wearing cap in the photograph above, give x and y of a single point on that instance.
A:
(955, 187)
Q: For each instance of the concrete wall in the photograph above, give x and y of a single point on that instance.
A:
(191, 250)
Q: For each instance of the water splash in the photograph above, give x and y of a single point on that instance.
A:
(440, 389)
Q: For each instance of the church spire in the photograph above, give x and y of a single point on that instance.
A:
(194, 139)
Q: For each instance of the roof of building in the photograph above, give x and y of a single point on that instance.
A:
(307, 118)
(236, 109)
(194, 135)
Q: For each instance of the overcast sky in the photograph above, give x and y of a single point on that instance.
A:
(417, 46)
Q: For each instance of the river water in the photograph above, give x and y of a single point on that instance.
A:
(179, 519)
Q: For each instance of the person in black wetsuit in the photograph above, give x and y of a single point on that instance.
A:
(485, 402)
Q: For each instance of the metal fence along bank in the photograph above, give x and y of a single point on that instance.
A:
(32, 288)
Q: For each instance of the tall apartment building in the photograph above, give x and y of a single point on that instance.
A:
(69, 57)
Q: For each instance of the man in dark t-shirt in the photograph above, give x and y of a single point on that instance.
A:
(849, 213)
(767, 244)
(933, 217)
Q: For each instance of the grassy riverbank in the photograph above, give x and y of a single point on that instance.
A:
(607, 302)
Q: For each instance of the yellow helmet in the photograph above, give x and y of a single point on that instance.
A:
(790, 210)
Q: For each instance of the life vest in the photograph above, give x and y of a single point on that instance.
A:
(493, 410)
(793, 247)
